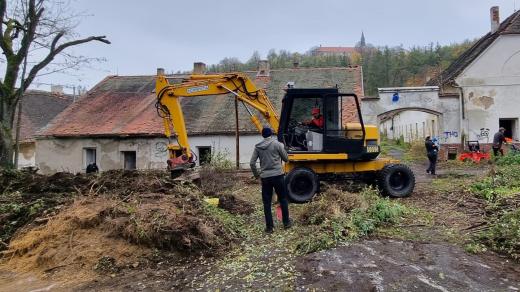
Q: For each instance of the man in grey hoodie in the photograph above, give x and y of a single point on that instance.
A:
(271, 153)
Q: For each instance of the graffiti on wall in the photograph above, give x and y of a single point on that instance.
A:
(450, 134)
(159, 149)
(484, 134)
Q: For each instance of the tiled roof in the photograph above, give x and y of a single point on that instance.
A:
(38, 109)
(509, 26)
(124, 105)
(338, 50)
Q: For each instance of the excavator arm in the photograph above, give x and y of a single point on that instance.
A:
(170, 110)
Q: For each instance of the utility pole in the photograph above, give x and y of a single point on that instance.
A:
(237, 134)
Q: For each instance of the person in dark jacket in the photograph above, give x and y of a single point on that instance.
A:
(92, 168)
(431, 152)
(271, 153)
(498, 139)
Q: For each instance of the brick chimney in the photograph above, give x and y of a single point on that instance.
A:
(495, 18)
(263, 68)
(199, 68)
(57, 89)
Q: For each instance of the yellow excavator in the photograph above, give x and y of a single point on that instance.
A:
(335, 148)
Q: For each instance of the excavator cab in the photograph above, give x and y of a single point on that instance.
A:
(325, 121)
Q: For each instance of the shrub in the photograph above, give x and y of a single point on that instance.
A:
(502, 181)
(504, 234)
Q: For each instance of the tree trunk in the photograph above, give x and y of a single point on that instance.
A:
(6, 131)
(6, 146)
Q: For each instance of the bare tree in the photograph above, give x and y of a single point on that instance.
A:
(41, 30)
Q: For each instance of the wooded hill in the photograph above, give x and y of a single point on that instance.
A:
(383, 66)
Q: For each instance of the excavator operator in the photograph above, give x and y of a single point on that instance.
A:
(317, 119)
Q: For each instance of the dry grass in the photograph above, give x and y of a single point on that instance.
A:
(331, 204)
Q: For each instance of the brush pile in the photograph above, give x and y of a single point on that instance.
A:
(48, 222)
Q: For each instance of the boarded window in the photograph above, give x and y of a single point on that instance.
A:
(129, 160)
(89, 156)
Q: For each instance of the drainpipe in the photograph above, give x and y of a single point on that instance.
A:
(463, 113)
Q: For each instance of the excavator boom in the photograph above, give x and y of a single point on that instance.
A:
(169, 107)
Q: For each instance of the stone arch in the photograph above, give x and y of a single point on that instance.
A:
(393, 112)
(422, 99)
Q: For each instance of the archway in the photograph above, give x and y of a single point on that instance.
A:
(410, 124)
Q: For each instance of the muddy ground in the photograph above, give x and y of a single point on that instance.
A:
(425, 252)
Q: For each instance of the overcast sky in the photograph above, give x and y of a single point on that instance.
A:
(174, 34)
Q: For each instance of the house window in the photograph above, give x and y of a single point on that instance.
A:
(204, 154)
(511, 127)
(129, 160)
(89, 156)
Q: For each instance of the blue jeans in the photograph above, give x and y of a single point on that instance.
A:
(278, 184)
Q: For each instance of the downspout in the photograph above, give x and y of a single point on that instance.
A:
(463, 113)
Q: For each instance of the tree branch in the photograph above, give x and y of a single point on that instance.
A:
(54, 51)
(2, 14)
(31, 23)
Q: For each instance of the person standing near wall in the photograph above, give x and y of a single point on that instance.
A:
(498, 139)
(271, 153)
(431, 151)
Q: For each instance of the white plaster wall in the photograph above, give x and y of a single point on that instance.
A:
(26, 157)
(411, 125)
(226, 145)
(67, 154)
(491, 86)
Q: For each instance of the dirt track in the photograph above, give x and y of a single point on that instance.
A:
(389, 265)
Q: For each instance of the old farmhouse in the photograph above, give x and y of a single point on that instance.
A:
(116, 125)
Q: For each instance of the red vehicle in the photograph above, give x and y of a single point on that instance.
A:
(474, 153)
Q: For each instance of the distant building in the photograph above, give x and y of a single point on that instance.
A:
(333, 51)
(38, 109)
(116, 125)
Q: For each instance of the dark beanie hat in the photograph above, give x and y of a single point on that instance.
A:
(267, 132)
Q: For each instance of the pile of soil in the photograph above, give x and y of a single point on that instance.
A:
(117, 182)
(74, 240)
(95, 228)
(65, 223)
(26, 196)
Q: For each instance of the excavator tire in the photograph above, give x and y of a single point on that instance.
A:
(302, 184)
(396, 181)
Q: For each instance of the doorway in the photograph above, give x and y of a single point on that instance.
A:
(511, 127)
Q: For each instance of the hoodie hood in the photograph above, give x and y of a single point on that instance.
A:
(265, 143)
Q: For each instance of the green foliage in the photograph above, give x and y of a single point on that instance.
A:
(504, 182)
(475, 247)
(511, 158)
(233, 224)
(335, 226)
(220, 161)
(504, 234)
